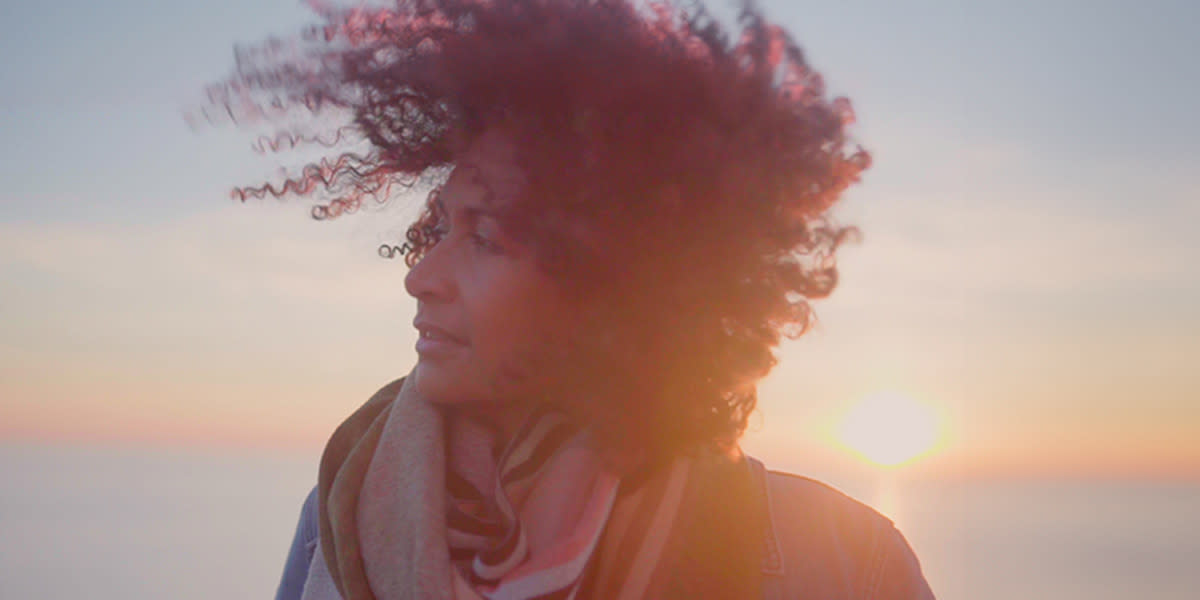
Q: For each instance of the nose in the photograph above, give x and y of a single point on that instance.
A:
(431, 280)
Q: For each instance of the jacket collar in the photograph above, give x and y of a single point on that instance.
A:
(772, 557)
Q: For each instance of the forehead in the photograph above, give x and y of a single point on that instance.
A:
(486, 175)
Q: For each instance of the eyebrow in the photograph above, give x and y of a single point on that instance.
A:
(472, 212)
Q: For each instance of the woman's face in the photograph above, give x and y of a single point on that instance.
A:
(488, 317)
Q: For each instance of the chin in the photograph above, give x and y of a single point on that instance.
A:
(441, 385)
(452, 383)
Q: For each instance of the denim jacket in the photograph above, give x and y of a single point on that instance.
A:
(819, 544)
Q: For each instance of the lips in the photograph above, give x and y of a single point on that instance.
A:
(431, 331)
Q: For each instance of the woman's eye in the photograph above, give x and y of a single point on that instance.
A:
(483, 243)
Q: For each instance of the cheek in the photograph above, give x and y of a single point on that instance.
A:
(515, 334)
(524, 337)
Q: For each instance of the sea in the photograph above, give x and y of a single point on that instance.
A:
(134, 523)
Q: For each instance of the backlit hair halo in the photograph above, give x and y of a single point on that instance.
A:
(709, 161)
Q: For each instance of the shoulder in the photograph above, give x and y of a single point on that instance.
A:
(310, 518)
(802, 504)
(822, 542)
(300, 555)
(819, 495)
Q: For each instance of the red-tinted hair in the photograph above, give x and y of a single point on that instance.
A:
(706, 163)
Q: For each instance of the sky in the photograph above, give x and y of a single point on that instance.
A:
(1028, 268)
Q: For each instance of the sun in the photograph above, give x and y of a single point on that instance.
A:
(890, 429)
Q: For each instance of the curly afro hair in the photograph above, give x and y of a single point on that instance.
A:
(707, 164)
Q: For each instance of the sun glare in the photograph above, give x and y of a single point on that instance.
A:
(889, 429)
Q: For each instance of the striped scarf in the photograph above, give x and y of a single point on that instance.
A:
(489, 534)
(402, 519)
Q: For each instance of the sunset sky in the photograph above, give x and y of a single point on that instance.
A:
(1029, 267)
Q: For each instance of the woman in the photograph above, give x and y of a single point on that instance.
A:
(629, 211)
